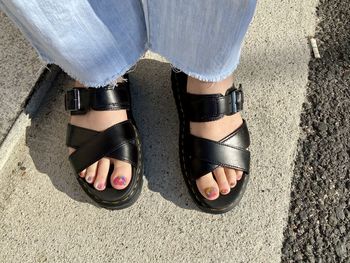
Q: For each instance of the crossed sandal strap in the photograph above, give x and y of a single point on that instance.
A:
(230, 152)
(78, 136)
(117, 142)
(201, 108)
(80, 100)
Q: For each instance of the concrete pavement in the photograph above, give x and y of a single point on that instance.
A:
(46, 216)
(20, 68)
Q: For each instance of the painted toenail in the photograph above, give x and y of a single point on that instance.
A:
(210, 192)
(225, 191)
(120, 180)
(100, 186)
(89, 179)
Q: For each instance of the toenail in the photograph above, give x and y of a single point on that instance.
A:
(210, 192)
(120, 180)
(225, 191)
(100, 186)
(89, 179)
(233, 184)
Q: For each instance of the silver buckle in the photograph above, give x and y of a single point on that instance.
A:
(233, 101)
(236, 100)
(77, 99)
(73, 100)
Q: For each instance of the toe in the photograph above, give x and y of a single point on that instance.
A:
(220, 177)
(208, 187)
(102, 173)
(239, 175)
(82, 174)
(121, 174)
(231, 177)
(91, 173)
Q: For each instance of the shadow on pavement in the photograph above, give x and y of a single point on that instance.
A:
(156, 117)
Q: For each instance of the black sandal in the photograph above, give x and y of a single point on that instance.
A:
(120, 141)
(199, 156)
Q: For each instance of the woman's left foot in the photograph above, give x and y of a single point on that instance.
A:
(222, 179)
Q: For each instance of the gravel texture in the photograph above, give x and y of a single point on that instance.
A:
(318, 226)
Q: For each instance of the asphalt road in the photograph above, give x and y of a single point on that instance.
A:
(319, 217)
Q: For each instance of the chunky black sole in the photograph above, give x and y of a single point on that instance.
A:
(192, 188)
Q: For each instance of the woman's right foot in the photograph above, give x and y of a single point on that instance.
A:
(222, 179)
(96, 174)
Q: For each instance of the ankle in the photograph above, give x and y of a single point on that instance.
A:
(196, 86)
(99, 120)
(216, 130)
(77, 84)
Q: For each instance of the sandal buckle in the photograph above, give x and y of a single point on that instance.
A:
(72, 100)
(236, 100)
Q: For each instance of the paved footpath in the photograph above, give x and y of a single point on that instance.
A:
(46, 217)
(20, 67)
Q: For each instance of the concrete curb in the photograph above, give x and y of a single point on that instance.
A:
(47, 77)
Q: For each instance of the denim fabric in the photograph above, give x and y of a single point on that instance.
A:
(95, 41)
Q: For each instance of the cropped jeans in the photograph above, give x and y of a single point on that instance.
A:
(96, 41)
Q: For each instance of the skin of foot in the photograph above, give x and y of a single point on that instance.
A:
(96, 174)
(222, 179)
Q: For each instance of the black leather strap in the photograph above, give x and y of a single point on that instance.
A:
(115, 142)
(80, 100)
(78, 136)
(231, 152)
(202, 108)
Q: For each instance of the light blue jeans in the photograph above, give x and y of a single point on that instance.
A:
(96, 41)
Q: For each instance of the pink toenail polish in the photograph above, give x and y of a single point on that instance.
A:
(210, 192)
(100, 186)
(120, 180)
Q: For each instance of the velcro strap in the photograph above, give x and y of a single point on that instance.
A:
(201, 108)
(80, 101)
